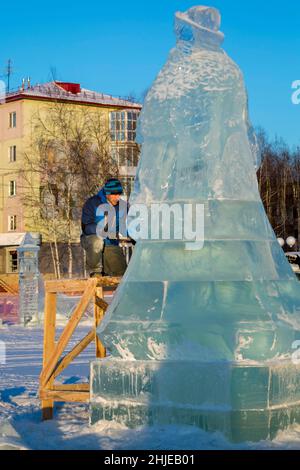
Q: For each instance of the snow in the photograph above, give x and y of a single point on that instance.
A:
(11, 239)
(20, 416)
(52, 90)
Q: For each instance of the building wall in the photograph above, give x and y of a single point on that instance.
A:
(9, 170)
(7, 133)
(2, 261)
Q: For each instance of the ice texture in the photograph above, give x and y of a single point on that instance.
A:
(244, 403)
(236, 301)
(194, 127)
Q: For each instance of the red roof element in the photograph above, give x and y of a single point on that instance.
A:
(73, 88)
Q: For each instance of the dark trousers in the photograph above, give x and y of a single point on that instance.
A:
(114, 262)
(109, 260)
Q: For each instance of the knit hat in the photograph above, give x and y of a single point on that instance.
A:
(113, 186)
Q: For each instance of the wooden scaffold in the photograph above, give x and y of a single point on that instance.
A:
(54, 363)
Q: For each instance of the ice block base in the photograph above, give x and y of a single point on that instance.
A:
(244, 402)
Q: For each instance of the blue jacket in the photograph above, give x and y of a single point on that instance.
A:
(90, 219)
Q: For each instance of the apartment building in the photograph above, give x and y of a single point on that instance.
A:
(16, 113)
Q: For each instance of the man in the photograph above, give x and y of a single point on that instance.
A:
(102, 218)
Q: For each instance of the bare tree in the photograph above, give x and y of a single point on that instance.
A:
(279, 183)
(67, 160)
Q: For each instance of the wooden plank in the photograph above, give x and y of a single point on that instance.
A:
(49, 346)
(106, 281)
(49, 326)
(79, 285)
(7, 288)
(62, 396)
(63, 364)
(99, 311)
(66, 285)
(47, 411)
(71, 387)
(101, 303)
(69, 329)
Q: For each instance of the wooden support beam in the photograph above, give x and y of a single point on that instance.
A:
(49, 346)
(68, 331)
(108, 281)
(78, 285)
(65, 396)
(71, 387)
(101, 303)
(99, 311)
(66, 285)
(68, 358)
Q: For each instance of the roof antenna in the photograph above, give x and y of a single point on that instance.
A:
(28, 83)
(8, 73)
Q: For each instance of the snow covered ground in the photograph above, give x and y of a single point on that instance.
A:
(20, 417)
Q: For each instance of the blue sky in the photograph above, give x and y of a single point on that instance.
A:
(118, 47)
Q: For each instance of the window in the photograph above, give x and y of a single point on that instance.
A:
(131, 126)
(12, 153)
(12, 188)
(13, 261)
(12, 223)
(126, 156)
(123, 126)
(13, 119)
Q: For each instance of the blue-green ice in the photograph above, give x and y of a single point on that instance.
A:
(202, 337)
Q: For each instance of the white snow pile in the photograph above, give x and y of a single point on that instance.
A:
(9, 438)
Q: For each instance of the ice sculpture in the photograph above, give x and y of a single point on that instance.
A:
(202, 337)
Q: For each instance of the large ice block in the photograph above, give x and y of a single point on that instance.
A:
(202, 336)
(243, 402)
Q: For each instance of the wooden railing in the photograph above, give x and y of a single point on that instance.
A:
(53, 361)
(8, 288)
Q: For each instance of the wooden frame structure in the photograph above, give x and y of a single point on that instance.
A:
(53, 362)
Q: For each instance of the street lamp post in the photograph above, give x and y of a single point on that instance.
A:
(290, 241)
